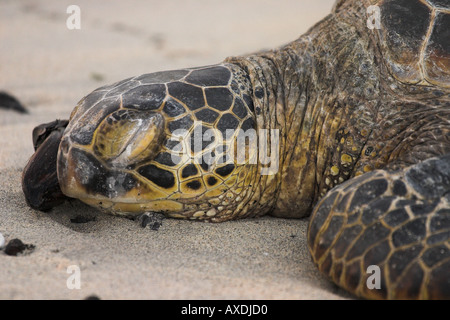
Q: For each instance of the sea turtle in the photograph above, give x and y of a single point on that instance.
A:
(349, 124)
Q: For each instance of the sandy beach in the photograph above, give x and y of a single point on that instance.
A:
(49, 68)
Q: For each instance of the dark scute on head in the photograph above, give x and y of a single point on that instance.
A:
(207, 115)
(405, 20)
(189, 171)
(184, 123)
(226, 170)
(162, 77)
(227, 122)
(145, 97)
(83, 136)
(194, 185)
(172, 144)
(88, 101)
(239, 108)
(83, 130)
(212, 181)
(120, 87)
(214, 76)
(158, 176)
(173, 108)
(190, 95)
(200, 140)
(219, 98)
(167, 159)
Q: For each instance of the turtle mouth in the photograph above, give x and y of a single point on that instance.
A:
(82, 175)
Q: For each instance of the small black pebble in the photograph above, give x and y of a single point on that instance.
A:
(153, 220)
(92, 297)
(145, 220)
(155, 226)
(16, 246)
(9, 102)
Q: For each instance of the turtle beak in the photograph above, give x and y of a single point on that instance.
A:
(39, 178)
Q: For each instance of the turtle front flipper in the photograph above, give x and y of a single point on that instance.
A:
(39, 179)
(394, 225)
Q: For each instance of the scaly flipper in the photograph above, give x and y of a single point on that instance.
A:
(398, 221)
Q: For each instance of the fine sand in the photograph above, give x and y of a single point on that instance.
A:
(49, 68)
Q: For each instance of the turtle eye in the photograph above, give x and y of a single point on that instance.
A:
(129, 137)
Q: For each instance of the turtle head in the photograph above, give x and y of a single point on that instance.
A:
(97, 156)
(158, 142)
